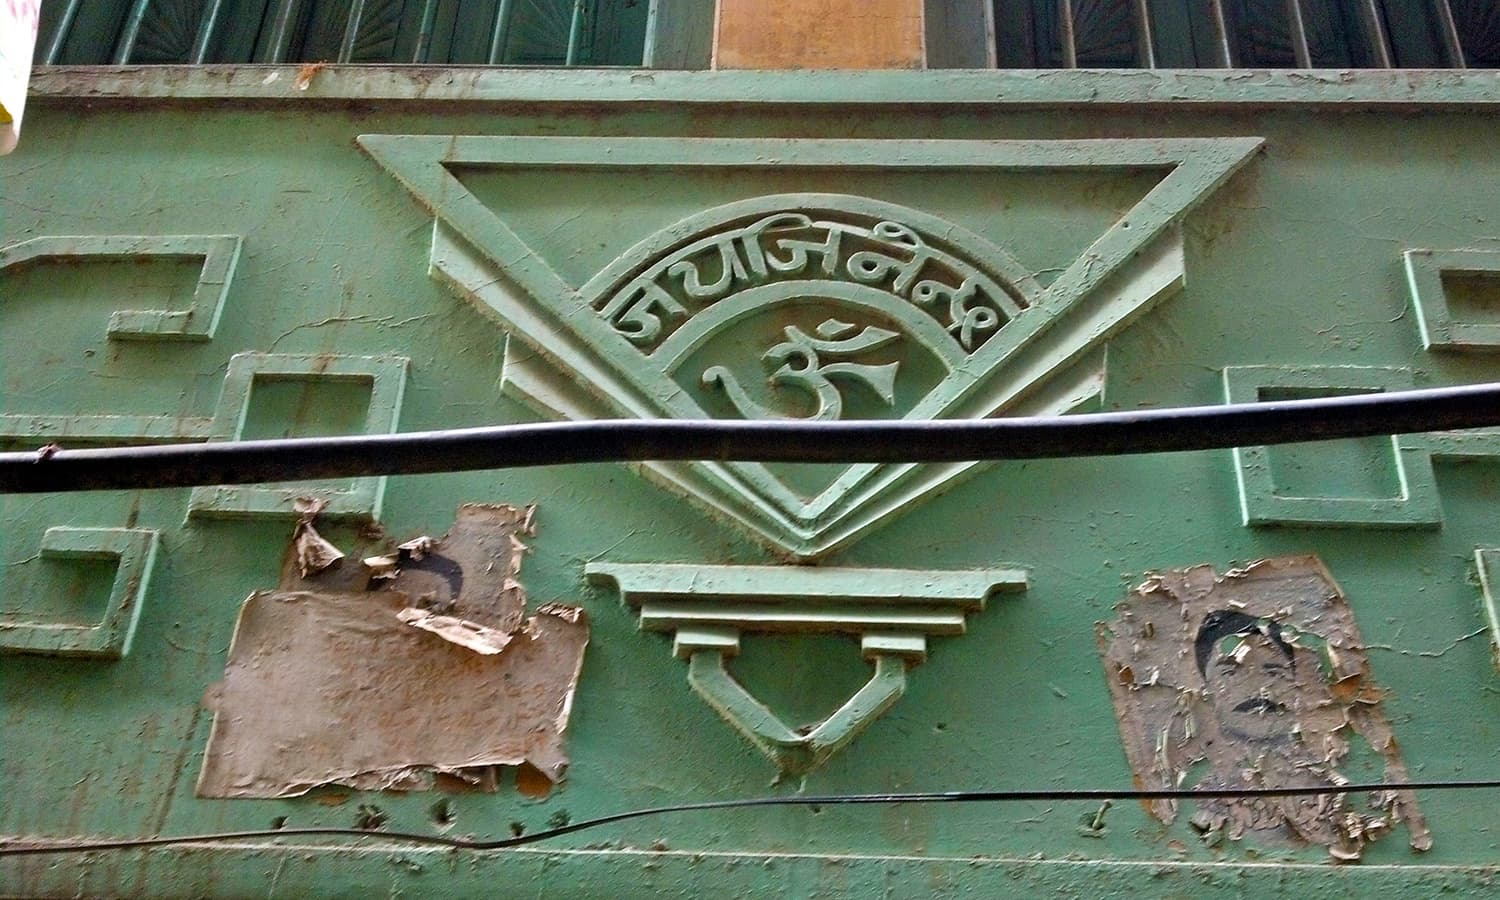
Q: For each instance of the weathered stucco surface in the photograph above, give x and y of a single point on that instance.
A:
(1296, 261)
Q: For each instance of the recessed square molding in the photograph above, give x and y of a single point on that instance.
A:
(220, 254)
(1266, 498)
(134, 553)
(359, 498)
(1444, 323)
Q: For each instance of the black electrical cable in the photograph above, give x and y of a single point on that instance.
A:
(826, 800)
(508, 446)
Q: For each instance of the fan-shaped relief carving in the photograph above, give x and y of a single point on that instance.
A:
(1102, 33)
(375, 25)
(375, 40)
(812, 306)
(168, 31)
(537, 32)
(809, 306)
(816, 306)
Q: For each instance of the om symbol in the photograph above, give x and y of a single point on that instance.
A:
(802, 367)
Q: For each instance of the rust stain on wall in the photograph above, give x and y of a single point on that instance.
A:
(1259, 673)
(333, 686)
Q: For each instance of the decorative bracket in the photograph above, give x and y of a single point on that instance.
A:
(708, 608)
(134, 550)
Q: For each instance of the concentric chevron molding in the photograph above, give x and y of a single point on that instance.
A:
(809, 305)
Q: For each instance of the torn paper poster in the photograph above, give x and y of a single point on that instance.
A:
(390, 675)
(333, 688)
(1255, 678)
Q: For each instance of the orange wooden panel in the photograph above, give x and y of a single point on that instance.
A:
(819, 34)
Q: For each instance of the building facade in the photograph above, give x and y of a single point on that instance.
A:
(259, 219)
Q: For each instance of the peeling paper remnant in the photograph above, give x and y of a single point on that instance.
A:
(463, 633)
(326, 687)
(314, 552)
(464, 584)
(417, 547)
(471, 572)
(381, 567)
(1261, 674)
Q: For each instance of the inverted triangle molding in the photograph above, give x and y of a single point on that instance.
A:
(1129, 268)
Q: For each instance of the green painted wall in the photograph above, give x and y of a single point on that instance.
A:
(1297, 260)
